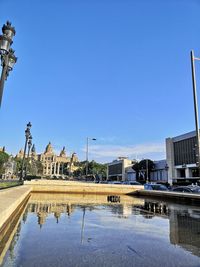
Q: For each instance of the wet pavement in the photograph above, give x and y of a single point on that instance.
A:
(93, 230)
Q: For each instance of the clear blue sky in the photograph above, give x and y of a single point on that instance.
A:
(116, 70)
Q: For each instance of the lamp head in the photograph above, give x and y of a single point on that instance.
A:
(12, 59)
(6, 37)
(29, 125)
(5, 43)
(8, 30)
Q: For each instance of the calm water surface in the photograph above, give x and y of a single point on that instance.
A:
(85, 230)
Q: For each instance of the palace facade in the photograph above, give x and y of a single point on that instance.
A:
(53, 165)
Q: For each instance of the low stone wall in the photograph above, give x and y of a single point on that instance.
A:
(10, 227)
(81, 187)
(188, 197)
(10, 200)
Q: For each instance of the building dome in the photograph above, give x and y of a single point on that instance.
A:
(49, 148)
(2, 149)
(74, 157)
(63, 152)
(33, 152)
(20, 154)
(33, 149)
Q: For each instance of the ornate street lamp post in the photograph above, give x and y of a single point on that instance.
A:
(27, 136)
(8, 58)
(87, 152)
(29, 148)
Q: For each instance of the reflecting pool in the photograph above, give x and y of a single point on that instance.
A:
(98, 230)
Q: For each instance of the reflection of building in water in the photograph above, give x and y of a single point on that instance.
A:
(126, 210)
(41, 218)
(185, 230)
(148, 210)
(184, 224)
(122, 210)
(151, 209)
(116, 209)
(43, 210)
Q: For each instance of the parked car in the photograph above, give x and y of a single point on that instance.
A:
(151, 186)
(187, 189)
(131, 183)
(101, 182)
(114, 182)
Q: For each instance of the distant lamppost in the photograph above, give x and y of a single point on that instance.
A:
(147, 170)
(167, 168)
(193, 58)
(29, 148)
(27, 136)
(8, 58)
(87, 152)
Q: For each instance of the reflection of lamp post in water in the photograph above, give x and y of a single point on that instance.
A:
(82, 227)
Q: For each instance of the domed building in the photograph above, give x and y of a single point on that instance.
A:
(53, 165)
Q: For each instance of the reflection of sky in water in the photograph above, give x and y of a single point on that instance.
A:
(133, 223)
(103, 235)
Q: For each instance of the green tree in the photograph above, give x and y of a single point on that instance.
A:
(94, 168)
(3, 159)
(136, 168)
(141, 169)
(81, 168)
(18, 165)
(39, 167)
(33, 167)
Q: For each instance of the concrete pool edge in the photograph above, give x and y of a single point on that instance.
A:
(10, 200)
(168, 195)
(49, 186)
(9, 228)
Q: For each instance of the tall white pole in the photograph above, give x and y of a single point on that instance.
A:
(195, 110)
(86, 170)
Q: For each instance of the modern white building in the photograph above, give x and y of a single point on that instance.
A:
(181, 158)
(160, 172)
(121, 170)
